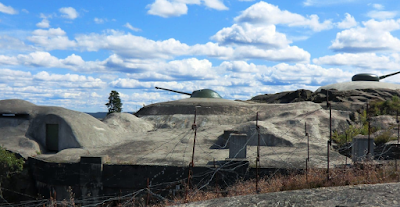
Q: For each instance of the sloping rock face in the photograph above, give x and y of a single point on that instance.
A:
(281, 132)
(127, 123)
(357, 195)
(341, 100)
(284, 97)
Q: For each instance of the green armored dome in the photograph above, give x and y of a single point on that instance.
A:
(365, 77)
(202, 93)
(205, 93)
(371, 77)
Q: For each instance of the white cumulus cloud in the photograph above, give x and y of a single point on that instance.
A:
(7, 9)
(362, 60)
(374, 36)
(51, 39)
(378, 6)
(265, 13)
(247, 34)
(98, 20)
(381, 15)
(288, 53)
(70, 80)
(45, 23)
(129, 26)
(68, 13)
(165, 8)
(240, 66)
(215, 4)
(131, 46)
(189, 69)
(175, 8)
(348, 22)
(46, 60)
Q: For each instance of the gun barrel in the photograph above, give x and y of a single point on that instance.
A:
(166, 89)
(385, 76)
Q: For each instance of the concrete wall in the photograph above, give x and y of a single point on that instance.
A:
(66, 136)
(91, 179)
(359, 150)
(238, 146)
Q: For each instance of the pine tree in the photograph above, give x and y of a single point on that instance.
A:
(114, 103)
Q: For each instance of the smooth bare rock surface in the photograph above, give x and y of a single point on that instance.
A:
(382, 122)
(358, 195)
(281, 131)
(125, 123)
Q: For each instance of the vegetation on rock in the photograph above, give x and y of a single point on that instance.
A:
(376, 108)
(9, 165)
(388, 107)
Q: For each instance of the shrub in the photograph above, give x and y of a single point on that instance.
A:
(387, 107)
(384, 137)
(9, 164)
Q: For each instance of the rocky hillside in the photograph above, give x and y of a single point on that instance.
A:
(340, 100)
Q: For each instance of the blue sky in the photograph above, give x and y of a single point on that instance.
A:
(73, 53)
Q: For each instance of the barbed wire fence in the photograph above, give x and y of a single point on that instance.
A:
(214, 179)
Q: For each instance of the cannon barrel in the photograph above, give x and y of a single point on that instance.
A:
(166, 89)
(385, 76)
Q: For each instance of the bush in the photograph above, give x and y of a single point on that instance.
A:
(9, 164)
(384, 137)
(347, 135)
(388, 107)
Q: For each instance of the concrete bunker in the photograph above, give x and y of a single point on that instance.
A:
(53, 133)
(13, 119)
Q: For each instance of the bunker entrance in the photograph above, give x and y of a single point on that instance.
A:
(52, 137)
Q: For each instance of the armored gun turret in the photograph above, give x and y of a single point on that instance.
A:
(370, 77)
(202, 93)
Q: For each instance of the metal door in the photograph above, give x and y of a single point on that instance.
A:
(52, 137)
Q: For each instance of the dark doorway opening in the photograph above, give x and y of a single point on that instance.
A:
(52, 137)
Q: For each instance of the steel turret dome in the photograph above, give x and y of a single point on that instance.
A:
(205, 93)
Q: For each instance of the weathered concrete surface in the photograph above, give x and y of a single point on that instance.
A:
(354, 85)
(205, 106)
(168, 138)
(359, 195)
(26, 134)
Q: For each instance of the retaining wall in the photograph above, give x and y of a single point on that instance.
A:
(91, 179)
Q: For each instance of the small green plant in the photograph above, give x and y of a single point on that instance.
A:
(9, 164)
(346, 136)
(384, 137)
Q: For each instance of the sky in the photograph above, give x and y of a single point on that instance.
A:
(72, 53)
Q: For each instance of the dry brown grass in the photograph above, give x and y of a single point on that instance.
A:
(362, 174)
(315, 178)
